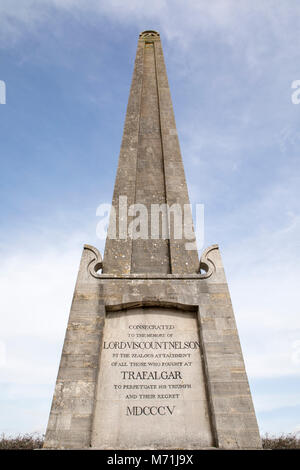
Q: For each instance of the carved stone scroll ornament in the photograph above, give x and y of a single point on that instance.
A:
(206, 264)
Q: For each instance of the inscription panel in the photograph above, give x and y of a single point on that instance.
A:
(151, 385)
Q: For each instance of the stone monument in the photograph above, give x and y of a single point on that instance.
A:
(151, 357)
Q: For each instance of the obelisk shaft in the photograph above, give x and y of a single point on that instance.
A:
(150, 173)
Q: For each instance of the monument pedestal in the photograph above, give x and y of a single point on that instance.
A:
(165, 372)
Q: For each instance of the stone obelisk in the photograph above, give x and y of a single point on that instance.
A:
(151, 357)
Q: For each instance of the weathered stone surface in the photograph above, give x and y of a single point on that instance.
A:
(146, 283)
(73, 402)
(227, 410)
(150, 169)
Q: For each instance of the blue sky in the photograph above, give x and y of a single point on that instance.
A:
(67, 66)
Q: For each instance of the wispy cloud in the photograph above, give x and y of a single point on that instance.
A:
(180, 21)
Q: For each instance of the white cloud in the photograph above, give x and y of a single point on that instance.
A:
(177, 20)
(35, 298)
(26, 280)
(263, 402)
(263, 273)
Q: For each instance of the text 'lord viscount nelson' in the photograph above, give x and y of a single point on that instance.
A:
(151, 345)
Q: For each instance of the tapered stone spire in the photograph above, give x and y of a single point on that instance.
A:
(150, 173)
